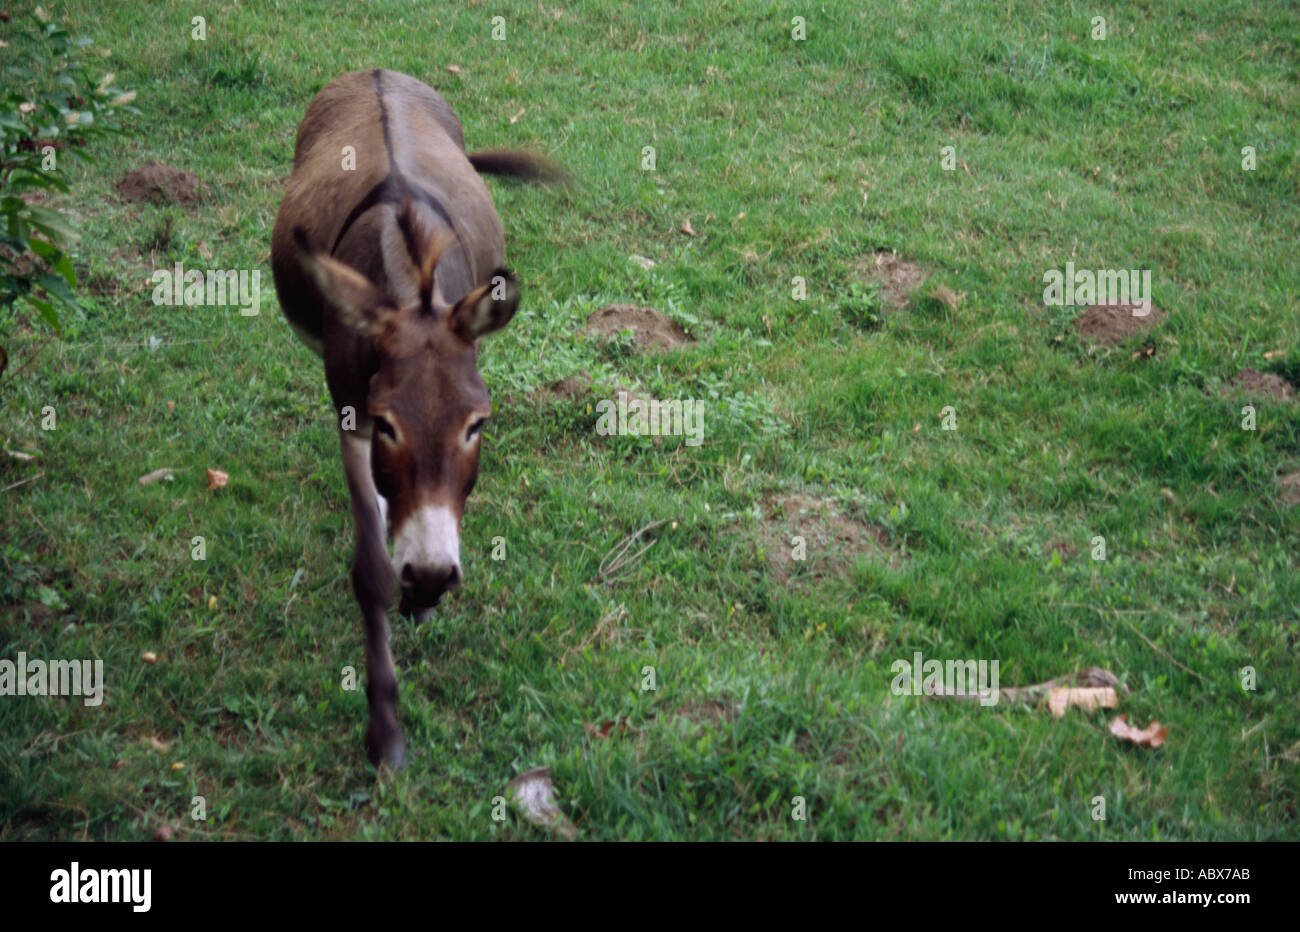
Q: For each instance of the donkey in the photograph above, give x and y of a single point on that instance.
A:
(388, 258)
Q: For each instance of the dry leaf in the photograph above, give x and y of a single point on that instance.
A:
(515, 118)
(157, 745)
(642, 261)
(20, 455)
(217, 479)
(178, 765)
(1150, 737)
(149, 657)
(687, 228)
(534, 794)
(1273, 354)
(454, 69)
(618, 726)
(171, 406)
(164, 473)
(1086, 698)
(212, 601)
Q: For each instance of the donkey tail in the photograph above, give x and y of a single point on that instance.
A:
(515, 164)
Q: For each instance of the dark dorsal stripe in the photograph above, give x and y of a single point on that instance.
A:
(394, 189)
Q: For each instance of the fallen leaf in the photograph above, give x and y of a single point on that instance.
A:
(217, 479)
(1153, 736)
(515, 118)
(643, 261)
(178, 765)
(1273, 354)
(1086, 698)
(212, 602)
(535, 796)
(171, 406)
(687, 228)
(618, 726)
(119, 764)
(156, 744)
(149, 657)
(20, 455)
(454, 69)
(164, 473)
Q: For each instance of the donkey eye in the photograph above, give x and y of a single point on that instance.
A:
(475, 428)
(385, 429)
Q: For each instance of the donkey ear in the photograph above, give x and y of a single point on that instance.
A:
(487, 309)
(360, 304)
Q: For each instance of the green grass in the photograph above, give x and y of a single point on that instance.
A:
(1116, 154)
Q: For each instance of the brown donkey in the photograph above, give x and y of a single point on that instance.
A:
(388, 260)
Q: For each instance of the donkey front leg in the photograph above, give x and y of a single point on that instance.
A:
(372, 579)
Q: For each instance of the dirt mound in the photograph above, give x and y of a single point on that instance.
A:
(897, 276)
(1251, 383)
(831, 539)
(1114, 323)
(652, 330)
(566, 389)
(159, 184)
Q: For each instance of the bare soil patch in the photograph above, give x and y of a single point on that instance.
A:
(652, 331)
(832, 540)
(1067, 549)
(1114, 323)
(1251, 383)
(159, 184)
(1288, 487)
(710, 711)
(569, 388)
(898, 277)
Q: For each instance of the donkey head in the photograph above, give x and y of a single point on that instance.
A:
(427, 404)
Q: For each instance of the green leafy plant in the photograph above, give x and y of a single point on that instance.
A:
(862, 305)
(52, 105)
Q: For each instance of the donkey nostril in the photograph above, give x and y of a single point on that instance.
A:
(425, 585)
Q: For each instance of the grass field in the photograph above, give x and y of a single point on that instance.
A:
(790, 159)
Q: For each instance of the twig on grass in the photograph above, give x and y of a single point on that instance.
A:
(608, 567)
(14, 485)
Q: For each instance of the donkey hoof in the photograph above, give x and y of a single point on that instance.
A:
(385, 747)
